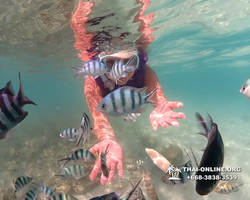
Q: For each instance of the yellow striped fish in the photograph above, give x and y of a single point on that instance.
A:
(228, 187)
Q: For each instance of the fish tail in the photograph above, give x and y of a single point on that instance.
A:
(67, 160)
(35, 184)
(204, 129)
(79, 70)
(21, 98)
(194, 156)
(133, 190)
(148, 99)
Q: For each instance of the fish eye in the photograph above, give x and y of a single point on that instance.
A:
(243, 88)
(104, 106)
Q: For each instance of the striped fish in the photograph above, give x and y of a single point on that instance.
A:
(131, 117)
(20, 182)
(31, 194)
(149, 186)
(120, 70)
(104, 167)
(228, 187)
(84, 131)
(61, 196)
(92, 68)
(125, 100)
(83, 155)
(75, 171)
(71, 134)
(47, 191)
(11, 108)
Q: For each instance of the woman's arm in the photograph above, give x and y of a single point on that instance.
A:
(102, 127)
(151, 82)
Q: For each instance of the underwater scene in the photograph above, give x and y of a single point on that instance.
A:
(126, 100)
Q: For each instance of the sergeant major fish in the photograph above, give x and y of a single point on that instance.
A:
(213, 155)
(20, 182)
(120, 70)
(31, 194)
(104, 167)
(84, 130)
(92, 68)
(125, 100)
(74, 171)
(80, 155)
(11, 108)
(245, 89)
(71, 134)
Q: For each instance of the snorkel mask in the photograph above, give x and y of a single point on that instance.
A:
(108, 60)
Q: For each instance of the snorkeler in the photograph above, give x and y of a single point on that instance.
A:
(96, 89)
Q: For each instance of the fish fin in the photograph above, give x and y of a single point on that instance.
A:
(35, 184)
(96, 77)
(139, 90)
(119, 81)
(118, 110)
(194, 156)
(80, 136)
(209, 122)
(148, 98)
(79, 70)
(125, 74)
(8, 89)
(204, 134)
(8, 134)
(140, 110)
(21, 98)
(133, 190)
(71, 140)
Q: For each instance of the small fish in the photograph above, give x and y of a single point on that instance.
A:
(83, 155)
(71, 134)
(158, 159)
(104, 167)
(11, 108)
(213, 155)
(92, 68)
(75, 171)
(149, 186)
(20, 182)
(47, 191)
(228, 187)
(120, 70)
(61, 196)
(31, 194)
(125, 100)
(132, 117)
(84, 130)
(116, 195)
(245, 89)
(182, 175)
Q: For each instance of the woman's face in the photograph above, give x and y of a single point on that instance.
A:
(122, 80)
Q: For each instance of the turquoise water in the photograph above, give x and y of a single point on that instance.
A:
(200, 53)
